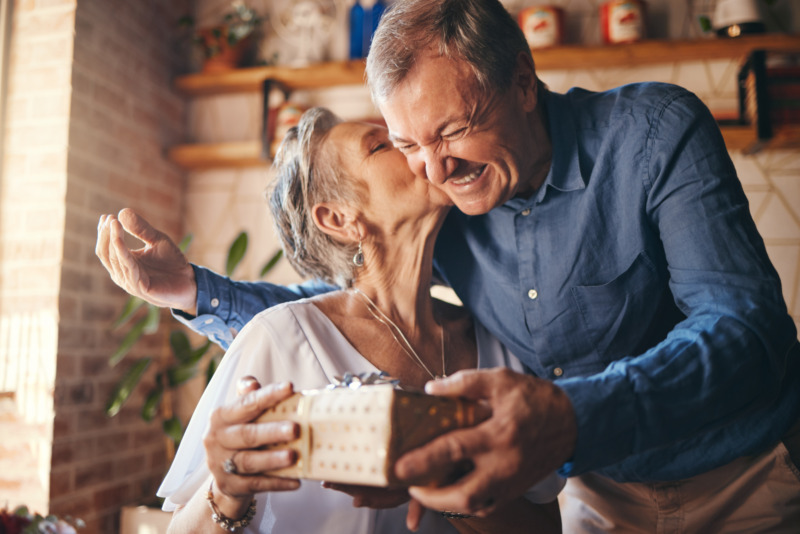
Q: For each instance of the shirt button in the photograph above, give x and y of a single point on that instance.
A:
(214, 302)
(208, 321)
(558, 371)
(532, 294)
(526, 212)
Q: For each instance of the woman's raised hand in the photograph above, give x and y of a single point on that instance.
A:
(234, 440)
(157, 273)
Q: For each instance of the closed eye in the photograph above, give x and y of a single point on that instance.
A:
(404, 148)
(378, 147)
(454, 134)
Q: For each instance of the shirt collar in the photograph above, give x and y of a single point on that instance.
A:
(565, 170)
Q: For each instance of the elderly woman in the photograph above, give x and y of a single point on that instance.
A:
(349, 212)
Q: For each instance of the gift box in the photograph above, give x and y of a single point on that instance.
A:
(354, 436)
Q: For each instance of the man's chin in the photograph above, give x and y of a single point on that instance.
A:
(479, 207)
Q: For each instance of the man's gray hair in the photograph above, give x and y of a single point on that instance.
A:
(307, 175)
(480, 32)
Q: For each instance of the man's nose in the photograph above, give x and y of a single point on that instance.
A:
(438, 166)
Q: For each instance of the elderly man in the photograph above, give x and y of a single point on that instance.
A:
(606, 240)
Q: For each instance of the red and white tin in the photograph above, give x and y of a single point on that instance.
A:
(622, 21)
(543, 26)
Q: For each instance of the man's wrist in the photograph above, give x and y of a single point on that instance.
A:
(189, 306)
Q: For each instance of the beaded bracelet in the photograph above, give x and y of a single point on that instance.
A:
(226, 523)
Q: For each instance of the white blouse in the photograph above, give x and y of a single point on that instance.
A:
(295, 342)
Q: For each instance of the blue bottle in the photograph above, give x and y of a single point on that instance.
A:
(357, 18)
(375, 17)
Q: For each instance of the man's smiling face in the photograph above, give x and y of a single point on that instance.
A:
(479, 149)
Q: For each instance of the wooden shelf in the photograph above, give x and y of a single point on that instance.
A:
(565, 57)
(338, 73)
(198, 157)
(654, 52)
(744, 138)
(251, 79)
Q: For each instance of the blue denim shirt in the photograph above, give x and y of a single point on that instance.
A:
(635, 278)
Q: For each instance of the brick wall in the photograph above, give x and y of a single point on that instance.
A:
(90, 111)
(32, 229)
(123, 115)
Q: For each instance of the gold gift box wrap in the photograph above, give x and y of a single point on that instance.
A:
(354, 436)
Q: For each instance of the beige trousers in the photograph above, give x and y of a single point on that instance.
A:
(755, 494)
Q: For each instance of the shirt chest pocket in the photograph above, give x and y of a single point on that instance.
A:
(617, 315)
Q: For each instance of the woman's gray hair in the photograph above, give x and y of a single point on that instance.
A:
(307, 175)
(480, 32)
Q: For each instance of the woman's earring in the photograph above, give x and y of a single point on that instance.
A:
(358, 259)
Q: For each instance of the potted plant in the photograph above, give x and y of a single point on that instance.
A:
(184, 361)
(227, 45)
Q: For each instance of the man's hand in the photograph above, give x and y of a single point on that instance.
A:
(157, 273)
(531, 433)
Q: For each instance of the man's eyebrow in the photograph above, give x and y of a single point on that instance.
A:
(397, 139)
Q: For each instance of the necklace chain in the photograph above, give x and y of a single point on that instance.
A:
(405, 345)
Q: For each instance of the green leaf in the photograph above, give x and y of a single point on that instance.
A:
(185, 242)
(201, 351)
(236, 253)
(152, 403)
(128, 341)
(186, 21)
(271, 263)
(705, 23)
(152, 320)
(174, 429)
(181, 347)
(131, 307)
(213, 363)
(22, 510)
(126, 386)
(180, 373)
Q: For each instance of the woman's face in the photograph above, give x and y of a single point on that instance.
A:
(390, 191)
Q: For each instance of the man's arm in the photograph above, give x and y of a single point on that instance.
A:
(728, 363)
(225, 306)
(725, 372)
(159, 273)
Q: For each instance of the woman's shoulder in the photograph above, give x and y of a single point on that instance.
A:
(297, 310)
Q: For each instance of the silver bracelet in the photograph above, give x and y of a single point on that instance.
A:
(226, 523)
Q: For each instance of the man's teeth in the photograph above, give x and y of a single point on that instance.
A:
(471, 177)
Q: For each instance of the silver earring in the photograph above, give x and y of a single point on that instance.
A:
(358, 259)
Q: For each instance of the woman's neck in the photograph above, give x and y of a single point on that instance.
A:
(397, 278)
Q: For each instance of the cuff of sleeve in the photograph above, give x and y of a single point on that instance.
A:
(606, 418)
(210, 326)
(212, 293)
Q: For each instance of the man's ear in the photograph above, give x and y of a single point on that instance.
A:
(337, 221)
(526, 81)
